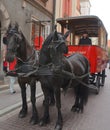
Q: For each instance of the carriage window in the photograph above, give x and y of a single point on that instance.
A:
(94, 40)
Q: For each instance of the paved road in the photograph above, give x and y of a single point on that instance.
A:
(96, 115)
(9, 102)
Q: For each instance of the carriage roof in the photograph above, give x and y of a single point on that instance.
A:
(79, 24)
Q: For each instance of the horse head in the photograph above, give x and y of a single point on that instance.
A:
(58, 47)
(13, 40)
(44, 57)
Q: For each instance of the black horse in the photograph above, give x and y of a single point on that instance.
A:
(52, 54)
(19, 48)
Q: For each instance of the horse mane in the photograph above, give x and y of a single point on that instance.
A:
(48, 40)
(25, 47)
(43, 58)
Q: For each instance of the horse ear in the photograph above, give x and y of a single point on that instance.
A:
(66, 34)
(9, 26)
(16, 25)
(55, 36)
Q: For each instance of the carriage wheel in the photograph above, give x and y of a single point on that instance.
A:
(98, 83)
(103, 78)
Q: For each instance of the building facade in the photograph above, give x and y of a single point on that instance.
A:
(67, 8)
(70, 8)
(85, 7)
(35, 17)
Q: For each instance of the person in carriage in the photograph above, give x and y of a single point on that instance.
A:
(85, 40)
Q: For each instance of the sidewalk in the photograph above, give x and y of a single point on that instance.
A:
(9, 102)
(4, 84)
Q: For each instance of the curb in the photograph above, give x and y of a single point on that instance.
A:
(17, 105)
(4, 87)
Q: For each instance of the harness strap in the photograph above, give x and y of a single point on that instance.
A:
(27, 60)
(71, 67)
(73, 76)
(77, 78)
(70, 82)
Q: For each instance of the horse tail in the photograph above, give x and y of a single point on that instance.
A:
(82, 90)
(85, 90)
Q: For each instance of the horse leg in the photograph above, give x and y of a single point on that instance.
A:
(75, 107)
(79, 105)
(59, 122)
(46, 117)
(81, 93)
(84, 91)
(23, 111)
(52, 99)
(34, 118)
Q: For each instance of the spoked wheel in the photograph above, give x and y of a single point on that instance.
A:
(98, 83)
(103, 78)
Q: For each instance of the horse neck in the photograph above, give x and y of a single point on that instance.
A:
(44, 57)
(57, 59)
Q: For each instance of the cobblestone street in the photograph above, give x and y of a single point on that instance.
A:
(95, 117)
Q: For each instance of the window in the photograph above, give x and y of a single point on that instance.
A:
(40, 31)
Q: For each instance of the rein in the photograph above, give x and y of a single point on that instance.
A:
(27, 61)
(58, 41)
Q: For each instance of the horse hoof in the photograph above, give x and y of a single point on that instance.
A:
(41, 123)
(78, 110)
(22, 114)
(33, 122)
(44, 121)
(73, 109)
(58, 127)
(82, 110)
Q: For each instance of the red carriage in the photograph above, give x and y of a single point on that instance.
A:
(95, 53)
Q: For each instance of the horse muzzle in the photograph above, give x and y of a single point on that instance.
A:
(10, 57)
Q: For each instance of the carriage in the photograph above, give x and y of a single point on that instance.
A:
(95, 53)
(54, 71)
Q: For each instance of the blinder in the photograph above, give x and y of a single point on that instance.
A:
(16, 35)
(57, 43)
(17, 41)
